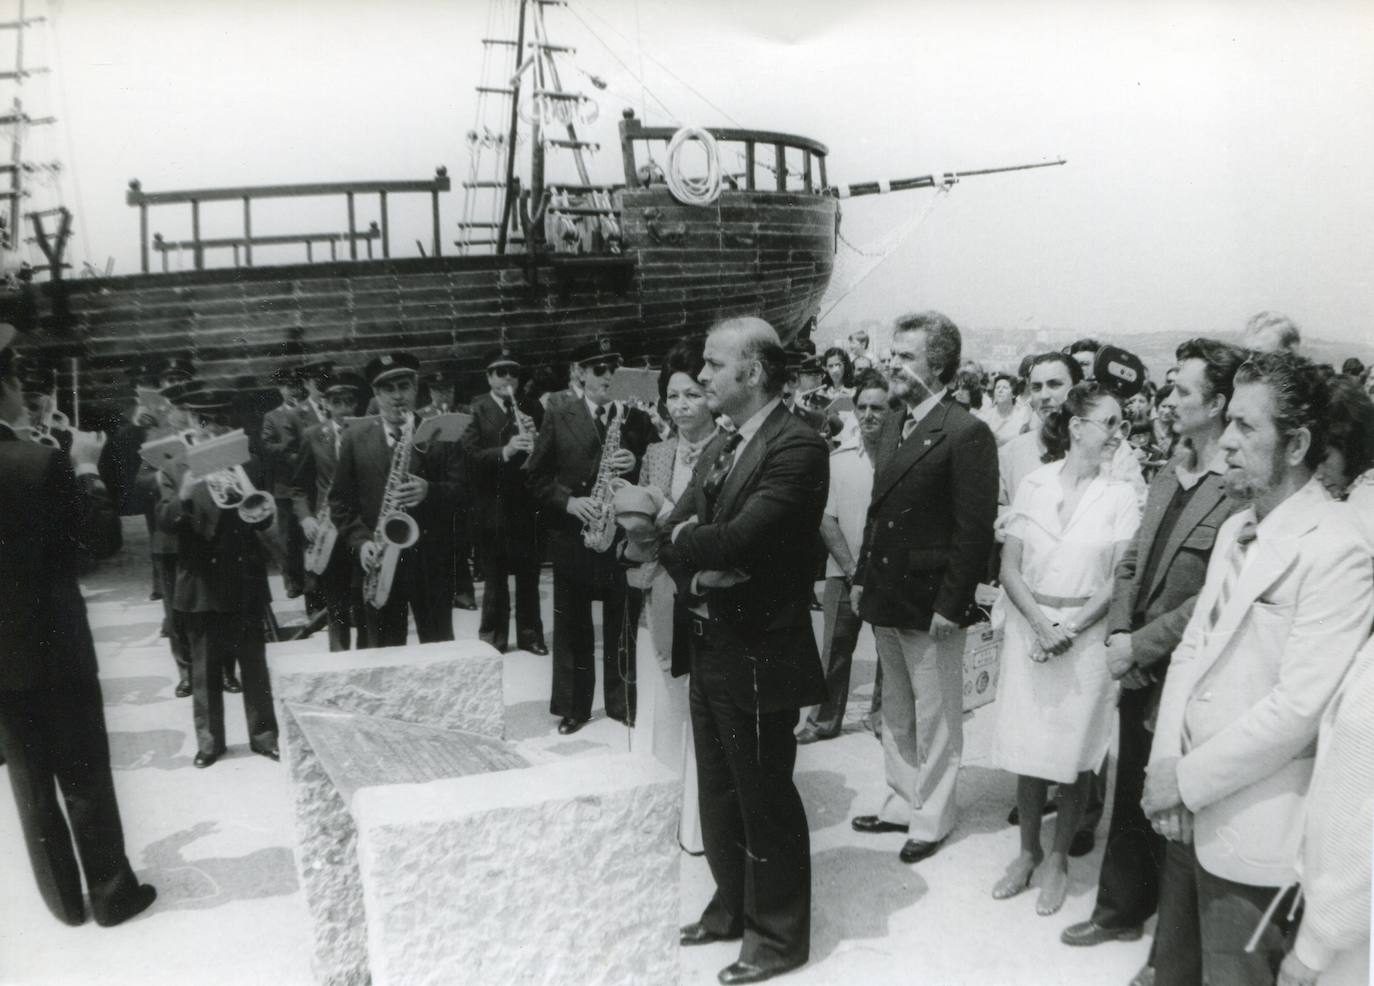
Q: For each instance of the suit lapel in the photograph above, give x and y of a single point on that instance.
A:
(581, 424)
(1204, 501)
(747, 463)
(902, 455)
(702, 470)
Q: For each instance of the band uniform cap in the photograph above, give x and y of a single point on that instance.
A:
(501, 357)
(391, 365)
(811, 364)
(208, 400)
(1119, 372)
(283, 375)
(176, 366)
(602, 349)
(319, 369)
(175, 393)
(343, 380)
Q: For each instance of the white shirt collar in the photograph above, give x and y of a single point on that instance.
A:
(919, 412)
(751, 427)
(1190, 477)
(591, 407)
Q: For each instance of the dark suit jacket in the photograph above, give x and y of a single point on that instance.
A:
(929, 530)
(360, 483)
(49, 522)
(500, 499)
(282, 429)
(1178, 578)
(314, 475)
(568, 452)
(765, 523)
(120, 467)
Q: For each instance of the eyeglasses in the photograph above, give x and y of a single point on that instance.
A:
(602, 369)
(1109, 426)
(505, 371)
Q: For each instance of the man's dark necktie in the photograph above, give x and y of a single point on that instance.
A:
(394, 432)
(715, 479)
(603, 418)
(509, 404)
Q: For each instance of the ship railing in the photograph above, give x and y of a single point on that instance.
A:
(198, 244)
(243, 245)
(787, 156)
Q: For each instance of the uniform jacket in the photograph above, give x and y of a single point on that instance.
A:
(220, 560)
(1250, 691)
(282, 428)
(567, 455)
(50, 520)
(765, 523)
(502, 503)
(928, 535)
(314, 473)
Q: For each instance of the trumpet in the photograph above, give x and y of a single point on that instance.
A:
(230, 487)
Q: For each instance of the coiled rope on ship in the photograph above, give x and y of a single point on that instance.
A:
(694, 191)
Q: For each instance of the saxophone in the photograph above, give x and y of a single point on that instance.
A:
(319, 551)
(396, 530)
(599, 534)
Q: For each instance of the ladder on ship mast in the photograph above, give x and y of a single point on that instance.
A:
(505, 227)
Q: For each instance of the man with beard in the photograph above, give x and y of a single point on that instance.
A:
(1284, 609)
(842, 530)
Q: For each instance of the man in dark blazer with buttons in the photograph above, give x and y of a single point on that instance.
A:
(927, 542)
(562, 474)
(740, 545)
(505, 516)
(53, 511)
(424, 572)
(1157, 584)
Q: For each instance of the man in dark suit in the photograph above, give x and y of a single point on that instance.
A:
(505, 517)
(740, 545)
(53, 511)
(441, 388)
(221, 593)
(927, 542)
(562, 475)
(1157, 584)
(310, 487)
(423, 582)
(282, 428)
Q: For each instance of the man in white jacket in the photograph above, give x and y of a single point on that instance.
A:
(1284, 609)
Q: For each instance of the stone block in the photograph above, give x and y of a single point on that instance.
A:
(558, 873)
(453, 685)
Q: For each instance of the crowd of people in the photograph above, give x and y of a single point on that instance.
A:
(1183, 569)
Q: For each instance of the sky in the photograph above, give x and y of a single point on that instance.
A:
(1219, 153)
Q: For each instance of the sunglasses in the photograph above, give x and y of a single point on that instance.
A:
(602, 369)
(509, 372)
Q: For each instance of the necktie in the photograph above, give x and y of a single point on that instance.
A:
(510, 406)
(715, 479)
(601, 418)
(394, 432)
(908, 426)
(1235, 561)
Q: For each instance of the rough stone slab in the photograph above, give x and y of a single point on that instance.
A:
(453, 685)
(560, 873)
(360, 751)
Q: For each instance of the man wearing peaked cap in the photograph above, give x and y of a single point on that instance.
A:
(314, 377)
(423, 581)
(281, 443)
(496, 447)
(440, 386)
(54, 511)
(314, 475)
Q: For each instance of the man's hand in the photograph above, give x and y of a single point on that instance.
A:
(716, 579)
(1120, 654)
(583, 508)
(517, 444)
(1161, 787)
(940, 628)
(1135, 679)
(1176, 825)
(367, 554)
(623, 461)
(856, 595)
(412, 491)
(86, 447)
(188, 485)
(1294, 972)
(310, 527)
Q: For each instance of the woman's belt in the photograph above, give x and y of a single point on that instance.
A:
(1059, 602)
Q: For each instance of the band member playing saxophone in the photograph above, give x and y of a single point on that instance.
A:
(584, 444)
(496, 447)
(329, 563)
(380, 501)
(221, 583)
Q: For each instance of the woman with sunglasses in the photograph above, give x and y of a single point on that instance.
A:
(1068, 527)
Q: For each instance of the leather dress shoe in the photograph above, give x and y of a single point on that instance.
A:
(568, 725)
(464, 600)
(183, 688)
(1086, 933)
(697, 933)
(232, 684)
(747, 972)
(914, 850)
(205, 759)
(138, 901)
(271, 753)
(811, 734)
(872, 824)
(1082, 843)
(537, 648)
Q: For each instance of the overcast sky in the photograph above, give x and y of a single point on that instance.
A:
(1220, 154)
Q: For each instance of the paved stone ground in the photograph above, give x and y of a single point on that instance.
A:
(218, 845)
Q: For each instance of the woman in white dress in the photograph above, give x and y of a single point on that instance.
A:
(663, 726)
(1067, 529)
